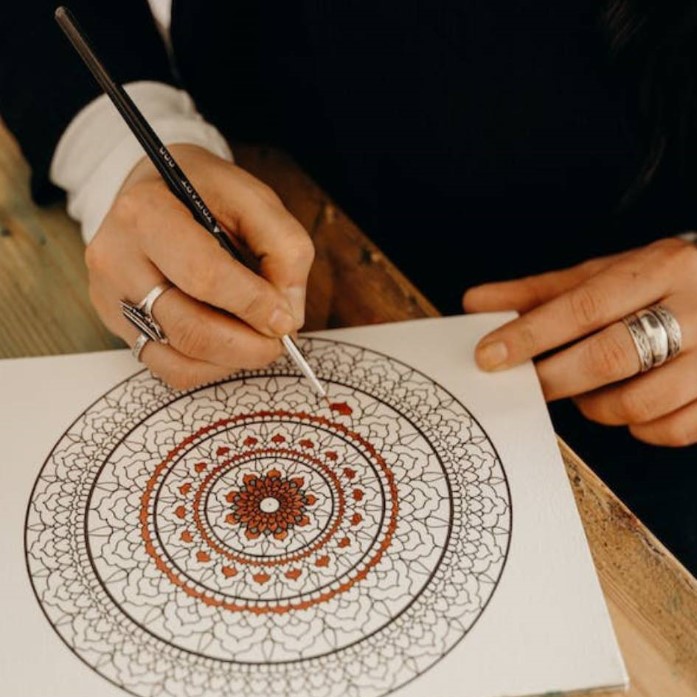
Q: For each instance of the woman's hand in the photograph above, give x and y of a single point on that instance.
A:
(219, 316)
(576, 315)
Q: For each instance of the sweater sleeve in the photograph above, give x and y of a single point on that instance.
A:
(97, 150)
(44, 83)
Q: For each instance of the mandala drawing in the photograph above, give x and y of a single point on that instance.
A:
(242, 539)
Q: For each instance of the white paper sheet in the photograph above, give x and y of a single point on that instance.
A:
(430, 545)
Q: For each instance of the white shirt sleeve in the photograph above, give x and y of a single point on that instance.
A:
(97, 151)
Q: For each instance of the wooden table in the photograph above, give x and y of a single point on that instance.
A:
(45, 310)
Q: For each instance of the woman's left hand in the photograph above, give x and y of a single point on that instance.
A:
(574, 317)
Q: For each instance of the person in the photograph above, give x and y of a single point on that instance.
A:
(540, 159)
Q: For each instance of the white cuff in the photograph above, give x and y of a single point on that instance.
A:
(97, 151)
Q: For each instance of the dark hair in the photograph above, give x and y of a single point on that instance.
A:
(654, 43)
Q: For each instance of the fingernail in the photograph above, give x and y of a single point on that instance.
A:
(492, 355)
(296, 298)
(281, 322)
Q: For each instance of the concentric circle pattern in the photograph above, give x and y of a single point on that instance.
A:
(240, 539)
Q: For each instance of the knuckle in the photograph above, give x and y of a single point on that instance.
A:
(590, 267)
(590, 409)
(96, 259)
(606, 359)
(203, 280)
(586, 306)
(267, 352)
(535, 289)
(636, 406)
(126, 205)
(181, 379)
(101, 264)
(686, 257)
(527, 339)
(674, 255)
(676, 432)
(190, 337)
(260, 354)
(669, 245)
(266, 194)
(302, 251)
(254, 302)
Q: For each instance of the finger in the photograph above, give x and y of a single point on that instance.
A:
(634, 281)
(284, 248)
(193, 260)
(165, 362)
(609, 356)
(192, 328)
(646, 397)
(253, 212)
(603, 358)
(106, 299)
(131, 284)
(525, 293)
(178, 371)
(198, 331)
(677, 429)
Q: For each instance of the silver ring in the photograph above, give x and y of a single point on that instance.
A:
(149, 300)
(139, 345)
(641, 341)
(141, 317)
(656, 334)
(672, 327)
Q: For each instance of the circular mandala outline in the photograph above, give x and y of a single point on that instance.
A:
(262, 373)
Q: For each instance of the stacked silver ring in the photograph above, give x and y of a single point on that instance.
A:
(141, 317)
(670, 324)
(656, 335)
(139, 345)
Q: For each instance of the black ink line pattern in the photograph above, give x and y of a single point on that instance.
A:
(225, 541)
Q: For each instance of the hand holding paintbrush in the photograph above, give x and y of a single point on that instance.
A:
(221, 311)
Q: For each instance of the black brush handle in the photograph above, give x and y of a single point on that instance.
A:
(167, 166)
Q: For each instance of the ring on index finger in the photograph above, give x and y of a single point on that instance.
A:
(656, 335)
(141, 317)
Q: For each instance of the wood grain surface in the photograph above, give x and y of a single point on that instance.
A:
(46, 310)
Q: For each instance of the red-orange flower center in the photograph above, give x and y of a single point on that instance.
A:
(270, 504)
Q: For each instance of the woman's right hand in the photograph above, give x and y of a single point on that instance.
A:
(219, 316)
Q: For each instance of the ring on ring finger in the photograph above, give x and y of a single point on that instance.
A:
(656, 335)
